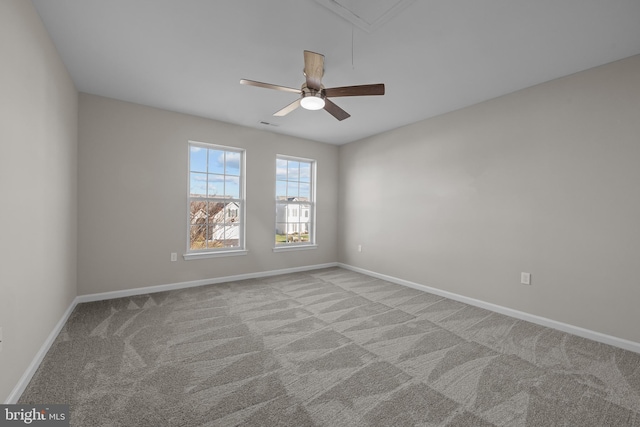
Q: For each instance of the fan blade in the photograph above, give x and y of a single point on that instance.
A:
(335, 111)
(289, 108)
(269, 86)
(313, 69)
(362, 90)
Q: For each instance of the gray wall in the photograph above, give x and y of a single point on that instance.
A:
(133, 192)
(544, 180)
(38, 158)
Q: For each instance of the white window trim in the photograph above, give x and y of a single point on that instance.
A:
(203, 255)
(296, 246)
(219, 252)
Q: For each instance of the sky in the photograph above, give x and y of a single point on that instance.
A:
(293, 179)
(216, 172)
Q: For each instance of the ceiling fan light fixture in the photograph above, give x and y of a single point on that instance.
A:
(312, 102)
(313, 94)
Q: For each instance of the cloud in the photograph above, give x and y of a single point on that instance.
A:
(233, 159)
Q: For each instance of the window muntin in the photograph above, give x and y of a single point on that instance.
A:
(295, 202)
(216, 198)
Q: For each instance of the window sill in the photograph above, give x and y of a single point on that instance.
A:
(204, 255)
(288, 248)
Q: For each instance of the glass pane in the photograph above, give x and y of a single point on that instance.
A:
(281, 228)
(281, 233)
(216, 185)
(281, 213)
(231, 236)
(198, 184)
(232, 213)
(215, 236)
(305, 192)
(197, 236)
(197, 159)
(304, 232)
(197, 213)
(305, 213)
(281, 169)
(292, 189)
(232, 187)
(216, 161)
(216, 213)
(305, 172)
(293, 171)
(293, 212)
(232, 163)
(293, 232)
(281, 190)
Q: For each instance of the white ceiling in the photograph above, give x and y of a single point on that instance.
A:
(434, 56)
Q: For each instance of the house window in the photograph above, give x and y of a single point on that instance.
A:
(216, 200)
(295, 202)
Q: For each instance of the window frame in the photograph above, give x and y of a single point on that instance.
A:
(312, 202)
(241, 249)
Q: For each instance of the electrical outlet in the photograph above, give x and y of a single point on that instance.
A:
(174, 256)
(359, 248)
(525, 278)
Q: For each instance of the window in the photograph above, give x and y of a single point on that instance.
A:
(216, 200)
(295, 202)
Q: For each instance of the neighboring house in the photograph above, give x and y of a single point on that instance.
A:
(293, 218)
(220, 233)
(228, 232)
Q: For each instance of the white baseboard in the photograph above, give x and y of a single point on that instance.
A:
(35, 363)
(564, 327)
(194, 283)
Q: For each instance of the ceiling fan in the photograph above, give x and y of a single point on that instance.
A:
(314, 95)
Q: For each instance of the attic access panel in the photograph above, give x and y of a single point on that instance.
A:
(368, 15)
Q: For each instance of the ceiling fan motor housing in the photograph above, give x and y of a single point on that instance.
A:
(312, 99)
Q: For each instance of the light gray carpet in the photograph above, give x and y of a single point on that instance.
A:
(326, 348)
